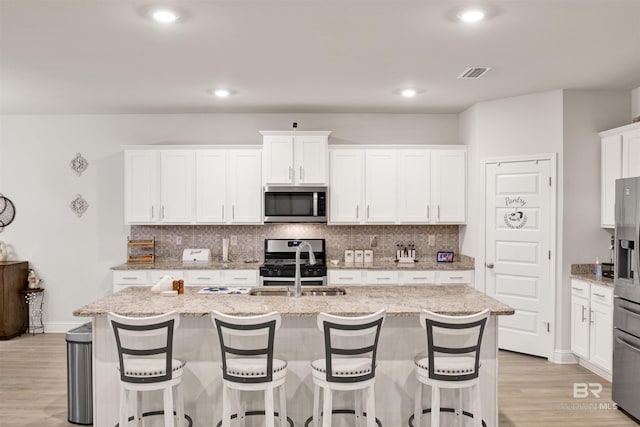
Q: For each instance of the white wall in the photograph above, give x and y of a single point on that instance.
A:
(635, 103)
(73, 254)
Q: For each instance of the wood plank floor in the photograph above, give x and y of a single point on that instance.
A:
(532, 391)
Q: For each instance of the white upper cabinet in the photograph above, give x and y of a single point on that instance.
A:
(346, 191)
(211, 186)
(176, 186)
(449, 186)
(414, 186)
(295, 157)
(204, 185)
(245, 190)
(380, 187)
(620, 159)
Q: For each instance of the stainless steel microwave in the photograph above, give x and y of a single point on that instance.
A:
(295, 204)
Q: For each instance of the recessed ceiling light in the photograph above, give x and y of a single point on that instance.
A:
(471, 15)
(165, 15)
(221, 93)
(408, 93)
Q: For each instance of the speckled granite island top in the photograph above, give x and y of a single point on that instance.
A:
(359, 300)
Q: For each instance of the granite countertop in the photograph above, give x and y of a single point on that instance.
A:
(465, 263)
(586, 272)
(358, 300)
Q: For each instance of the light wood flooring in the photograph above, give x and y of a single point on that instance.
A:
(532, 391)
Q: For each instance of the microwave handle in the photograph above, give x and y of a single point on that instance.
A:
(315, 202)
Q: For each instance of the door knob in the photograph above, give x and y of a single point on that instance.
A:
(488, 265)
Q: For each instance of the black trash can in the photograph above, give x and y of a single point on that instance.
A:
(79, 377)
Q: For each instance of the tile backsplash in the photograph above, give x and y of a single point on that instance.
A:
(250, 238)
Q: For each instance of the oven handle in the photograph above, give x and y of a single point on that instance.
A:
(628, 344)
(631, 312)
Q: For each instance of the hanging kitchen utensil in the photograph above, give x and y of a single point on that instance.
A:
(7, 212)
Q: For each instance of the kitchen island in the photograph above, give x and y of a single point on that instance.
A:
(298, 341)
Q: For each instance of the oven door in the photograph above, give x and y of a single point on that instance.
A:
(289, 281)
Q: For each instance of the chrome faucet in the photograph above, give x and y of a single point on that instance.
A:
(312, 261)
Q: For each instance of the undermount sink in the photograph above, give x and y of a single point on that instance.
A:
(285, 291)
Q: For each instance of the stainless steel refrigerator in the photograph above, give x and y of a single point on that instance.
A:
(626, 310)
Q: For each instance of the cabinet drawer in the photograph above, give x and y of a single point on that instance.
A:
(423, 277)
(202, 277)
(130, 277)
(380, 277)
(602, 294)
(456, 276)
(579, 288)
(345, 277)
(157, 274)
(241, 277)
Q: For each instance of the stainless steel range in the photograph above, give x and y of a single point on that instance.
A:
(279, 268)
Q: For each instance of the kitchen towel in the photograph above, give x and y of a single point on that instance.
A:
(164, 284)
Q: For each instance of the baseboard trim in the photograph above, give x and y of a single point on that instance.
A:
(564, 357)
(61, 327)
(595, 369)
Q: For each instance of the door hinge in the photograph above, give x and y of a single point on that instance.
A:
(549, 254)
(549, 181)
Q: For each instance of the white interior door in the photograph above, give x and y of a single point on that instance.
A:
(518, 251)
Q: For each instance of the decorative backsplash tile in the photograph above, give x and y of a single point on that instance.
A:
(250, 238)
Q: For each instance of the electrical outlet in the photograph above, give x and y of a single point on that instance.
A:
(431, 240)
(234, 241)
(373, 241)
(179, 240)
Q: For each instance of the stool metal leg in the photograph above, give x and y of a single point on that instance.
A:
(417, 407)
(283, 407)
(327, 407)
(435, 406)
(168, 407)
(371, 407)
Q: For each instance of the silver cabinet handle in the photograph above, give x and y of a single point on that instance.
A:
(301, 173)
(591, 317)
(438, 211)
(129, 278)
(162, 212)
(152, 217)
(576, 289)
(345, 278)
(583, 311)
(456, 278)
(240, 278)
(367, 211)
(357, 211)
(383, 278)
(598, 295)
(222, 211)
(233, 211)
(204, 278)
(420, 278)
(488, 265)
(428, 213)
(290, 171)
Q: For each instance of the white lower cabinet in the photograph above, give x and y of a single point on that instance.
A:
(246, 278)
(592, 325)
(398, 277)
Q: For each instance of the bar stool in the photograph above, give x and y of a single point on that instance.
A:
(248, 364)
(452, 362)
(350, 346)
(146, 363)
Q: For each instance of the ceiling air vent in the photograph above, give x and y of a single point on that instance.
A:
(474, 72)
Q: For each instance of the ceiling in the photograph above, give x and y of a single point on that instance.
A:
(97, 56)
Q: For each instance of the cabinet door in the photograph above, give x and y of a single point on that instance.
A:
(631, 154)
(381, 277)
(278, 160)
(141, 187)
(245, 189)
(580, 326)
(414, 192)
(449, 186)
(176, 186)
(601, 348)
(211, 186)
(345, 277)
(347, 185)
(311, 159)
(455, 277)
(611, 169)
(380, 186)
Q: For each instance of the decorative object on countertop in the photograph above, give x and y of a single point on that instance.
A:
(164, 284)
(225, 249)
(3, 251)
(444, 256)
(141, 250)
(598, 269)
(348, 256)
(7, 212)
(196, 256)
(368, 256)
(79, 205)
(358, 256)
(33, 282)
(406, 254)
(34, 299)
(79, 164)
